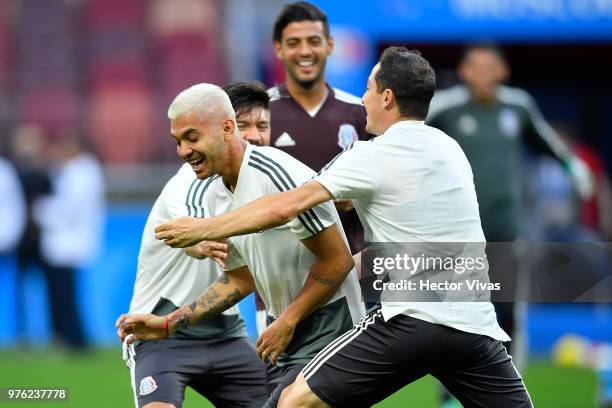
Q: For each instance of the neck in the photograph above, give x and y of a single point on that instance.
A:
(392, 121)
(231, 170)
(483, 98)
(307, 98)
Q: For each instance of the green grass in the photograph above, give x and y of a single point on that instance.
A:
(100, 379)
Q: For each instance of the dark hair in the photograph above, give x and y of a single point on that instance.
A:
(483, 45)
(247, 95)
(295, 12)
(411, 79)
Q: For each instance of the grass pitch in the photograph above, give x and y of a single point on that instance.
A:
(100, 379)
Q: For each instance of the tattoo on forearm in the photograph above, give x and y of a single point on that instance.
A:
(234, 297)
(182, 322)
(322, 279)
(210, 303)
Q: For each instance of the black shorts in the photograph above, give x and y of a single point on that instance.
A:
(227, 371)
(377, 358)
(280, 378)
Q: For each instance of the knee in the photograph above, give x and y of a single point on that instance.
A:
(158, 404)
(299, 395)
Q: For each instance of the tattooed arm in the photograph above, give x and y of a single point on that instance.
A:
(229, 289)
(333, 263)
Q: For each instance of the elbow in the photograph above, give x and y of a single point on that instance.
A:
(281, 214)
(344, 264)
(348, 263)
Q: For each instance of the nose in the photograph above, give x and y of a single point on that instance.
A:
(184, 151)
(252, 136)
(304, 48)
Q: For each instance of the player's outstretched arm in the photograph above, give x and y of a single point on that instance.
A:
(261, 214)
(229, 289)
(332, 265)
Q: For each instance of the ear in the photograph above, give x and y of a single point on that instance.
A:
(388, 98)
(461, 71)
(330, 45)
(229, 126)
(278, 48)
(504, 72)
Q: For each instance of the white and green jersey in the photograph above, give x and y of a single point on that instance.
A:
(276, 257)
(492, 137)
(413, 184)
(168, 278)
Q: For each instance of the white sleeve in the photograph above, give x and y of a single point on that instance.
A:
(291, 173)
(12, 207)
(352, 174)
(313, 221)
(234, 258)
(174, 197)
(78, 196)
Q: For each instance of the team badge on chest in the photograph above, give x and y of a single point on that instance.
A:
(346, 135)
(467, 124)
(509, 123)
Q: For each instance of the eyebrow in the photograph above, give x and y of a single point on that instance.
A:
(308, 37)
(184, 134)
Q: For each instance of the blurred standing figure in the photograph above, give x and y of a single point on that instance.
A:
(71, 225)
(12, 224)
(491, 122)
(28, 146)
(595, 214)
(12, 211)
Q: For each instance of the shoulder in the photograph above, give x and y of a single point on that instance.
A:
(181, 180)
(271, 159)
(183, 176)
(275, 156)
(276, 93)
(185, 184)
(356, 153)
(85, 163)
(346, 97)
(446, 99)
(6, 167)
(515, 96)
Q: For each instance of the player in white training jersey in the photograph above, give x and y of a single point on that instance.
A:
(302, 269)
(215, 357)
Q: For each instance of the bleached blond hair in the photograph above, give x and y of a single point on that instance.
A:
(206, 99)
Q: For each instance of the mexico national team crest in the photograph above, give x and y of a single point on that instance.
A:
(147, 385)
(346, 135)
(467, 124)
(509, 123)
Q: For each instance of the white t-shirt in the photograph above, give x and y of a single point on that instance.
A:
(277, 259)
(414, 184)
(169, 272)
(12, 207)
(72, 218)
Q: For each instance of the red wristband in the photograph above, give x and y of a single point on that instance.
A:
(166, 326)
